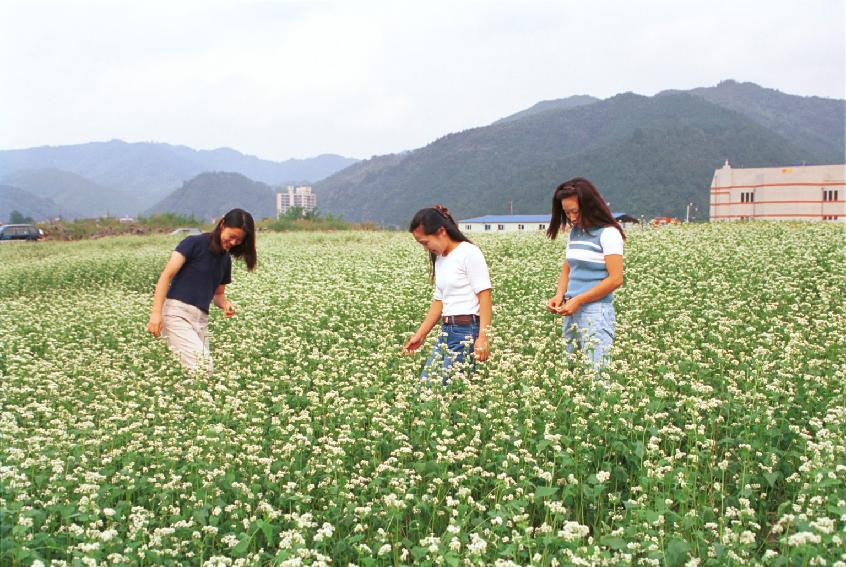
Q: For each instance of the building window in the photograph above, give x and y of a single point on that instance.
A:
(500, 227)
(487, 227)
(747, 197)
(520, 227)
(831, 195)
(541, 227)
(468, 226)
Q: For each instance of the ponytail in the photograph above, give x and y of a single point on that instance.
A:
(432, 219)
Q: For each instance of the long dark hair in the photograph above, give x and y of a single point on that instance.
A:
(593, 211)
(237, 218)
(432, 219)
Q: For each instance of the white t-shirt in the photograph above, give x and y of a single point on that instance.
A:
(459, 277)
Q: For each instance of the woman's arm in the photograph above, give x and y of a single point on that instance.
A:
(480, 347)
(431, 319)
(614, 265)
(554, 304)
(174, 264)
(223, 303)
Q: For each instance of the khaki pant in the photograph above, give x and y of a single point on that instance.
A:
(186, 331)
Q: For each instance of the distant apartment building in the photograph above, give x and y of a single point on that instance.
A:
(808, 192)
(301, 197)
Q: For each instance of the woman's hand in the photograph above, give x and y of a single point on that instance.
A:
(570, 307)
(224, 304)
(554, 304)
(413, 343)
(480, 348)
(154, 325)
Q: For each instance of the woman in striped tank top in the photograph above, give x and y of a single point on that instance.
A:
(592, 270)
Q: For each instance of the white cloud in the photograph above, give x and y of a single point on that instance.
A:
(281, 79)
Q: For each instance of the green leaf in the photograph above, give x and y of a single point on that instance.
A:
(677, 552)
(427, 467)
(201, 515)
(242, 546)
(517, 504)
(266, 529)
(545, 491)
(616, 543)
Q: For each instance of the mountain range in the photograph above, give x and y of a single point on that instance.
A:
(74, 196)
(647, 155)
(117, 177)
(15, 199)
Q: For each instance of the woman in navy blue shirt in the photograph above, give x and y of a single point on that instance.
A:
(195, 276)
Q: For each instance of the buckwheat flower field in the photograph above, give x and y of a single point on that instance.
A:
(718, 438)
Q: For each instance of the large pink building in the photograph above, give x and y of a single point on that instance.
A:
(808, 192)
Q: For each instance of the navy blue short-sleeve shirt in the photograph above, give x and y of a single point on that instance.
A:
(197, 280)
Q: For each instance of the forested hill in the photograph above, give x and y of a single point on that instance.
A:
(648, 155)
(210, 195)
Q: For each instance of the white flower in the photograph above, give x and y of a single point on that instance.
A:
(801, 538)
(571, 531)
(747, 537)
(477, 545)
(325, 532)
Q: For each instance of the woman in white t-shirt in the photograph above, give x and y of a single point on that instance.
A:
(462, 296)
(592, 270)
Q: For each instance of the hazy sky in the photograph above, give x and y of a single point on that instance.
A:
(297, 79)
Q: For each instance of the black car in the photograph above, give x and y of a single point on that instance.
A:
(19, 232)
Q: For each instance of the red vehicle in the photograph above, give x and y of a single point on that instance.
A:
(663, 221)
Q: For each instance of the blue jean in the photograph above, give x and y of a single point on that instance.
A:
(591, 330)
(455, 347)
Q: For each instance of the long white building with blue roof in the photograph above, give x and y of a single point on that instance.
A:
(505, 223)
(508, 223)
